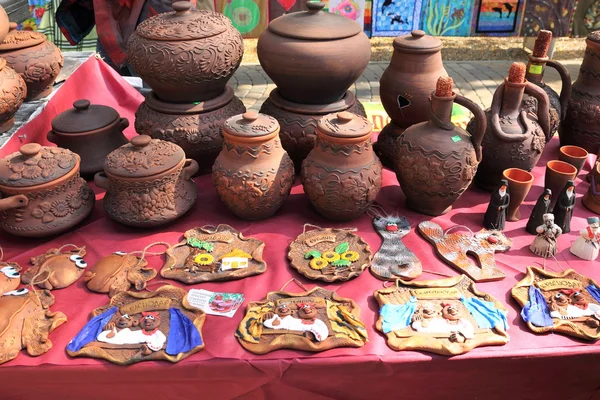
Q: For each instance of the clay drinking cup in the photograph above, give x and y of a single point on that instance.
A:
(557, 174)
(519, 183)
(574, 155)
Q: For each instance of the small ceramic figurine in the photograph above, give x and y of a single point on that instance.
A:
(495, 216)
(541, 207)
(587, 245)
(544, 245)
(56, 269)
(563, 210)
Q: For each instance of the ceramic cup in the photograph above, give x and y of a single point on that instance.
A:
(574, 155)
(557, 174)
(519, 183)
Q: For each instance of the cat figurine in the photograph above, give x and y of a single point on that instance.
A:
(394, 260)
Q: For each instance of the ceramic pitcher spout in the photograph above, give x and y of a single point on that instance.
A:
(12, 202)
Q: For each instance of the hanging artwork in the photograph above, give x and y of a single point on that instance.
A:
(585, 18)
(447, 17)
(353, 9)
(367, 23)
(395, 17)
(10, 276)
(498, 16)
(56, 269)
(250, 17)
(447, 316)
(277, 8)
(565, 302)
(549, 15)
(142, 326)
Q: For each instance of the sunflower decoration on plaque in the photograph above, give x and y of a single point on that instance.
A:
(446, 316)
(315, 320)
(565, 302)
(142, 326)
(214, 254)
(330, 254)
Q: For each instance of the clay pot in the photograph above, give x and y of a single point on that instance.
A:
(147, 182)
(298, 122)
(253, 174)
(3, 24)
(35, 58)
(581, 126)
(591, 199)
(557, 175)
(519, 184)
(435, 161)
(385, 146)
(342, 175)
(12, 94)
(410, 78)
(574, 155)
(186, 56)
(196, 127)
(313, 56)
(92, 131)
(42, 192)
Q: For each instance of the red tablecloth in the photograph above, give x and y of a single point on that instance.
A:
(529, 367)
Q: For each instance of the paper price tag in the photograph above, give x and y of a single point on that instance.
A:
(215, 303)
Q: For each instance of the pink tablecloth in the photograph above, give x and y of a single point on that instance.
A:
(529, 367)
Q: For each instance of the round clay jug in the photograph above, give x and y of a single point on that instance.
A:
(313, 56)
(410, 78)
(515, 137)
(13, 92)
(3, 24)
(253, 174)
(581, 126)
(186, 56)
(436, 160)
(342, 175)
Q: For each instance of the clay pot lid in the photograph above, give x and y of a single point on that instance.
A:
(251, 124)
(344, 125)
(143, 157)
(417, 42)
(594, 36)
(34, 165)
(314, 24)
(84, 117)
(183, 24)
(21, 39)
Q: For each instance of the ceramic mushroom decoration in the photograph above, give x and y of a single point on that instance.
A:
(56, 269)
(12, 95)
(42, 192)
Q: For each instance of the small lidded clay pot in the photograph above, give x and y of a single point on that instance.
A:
(253, 174)
(12, 94)
(342, 175)
(148, 182)
(41, 192)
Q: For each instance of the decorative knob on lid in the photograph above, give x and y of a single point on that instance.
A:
(12, 26)
(417, 33)
(30, 149)
(250, 116)
(81, 104)
(344, 117)
(141, 141)
(314, 6)
(181, 7)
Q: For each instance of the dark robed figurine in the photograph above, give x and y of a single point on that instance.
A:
(495, 216)
(563, 209)
(537, 215)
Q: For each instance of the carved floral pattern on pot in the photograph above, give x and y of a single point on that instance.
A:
(12, 93)
(584, 111)
(48, 211)
(142, 158)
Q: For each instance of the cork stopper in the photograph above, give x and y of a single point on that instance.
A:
(542, 44)
(444, 86)
(517, 72)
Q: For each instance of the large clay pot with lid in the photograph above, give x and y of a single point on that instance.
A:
(148, 182)
(34, 57)
(3, 24)
(436, 160)
(12, 95)
(41, 192)
(185, 55)
(90, 130)
(253, 174)
(342, 175)
(313, 56)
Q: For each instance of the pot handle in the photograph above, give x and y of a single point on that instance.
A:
(565, 90)
(51, 136)
(17, 201)
(124, 123)
(190, 168)
(480, 122)
(543, 111)
(101, 180)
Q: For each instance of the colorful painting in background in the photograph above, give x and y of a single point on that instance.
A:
(447, 17)
(279, 7)
(250, 17)
(367, 28)
(496, 16)
(353, 9)
(38, 9)
(551, 15)
(396, 17)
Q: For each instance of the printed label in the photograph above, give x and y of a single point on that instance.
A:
(215, 303)
(159, 303)
(535, 69)
(436, 293)
(311, 241)
(555, 284)
(225, 237)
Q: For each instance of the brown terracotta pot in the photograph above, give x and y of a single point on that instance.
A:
(313, 56)
(410, 78)
(436, 161)
(556, 176)
(581, 126)
(35, 58)
(519, 184)
(148, 183)
(42, 192)
(592, 197)
(3, 24)
(253, 174)
(342, 175)
(574, 155)
(298, 122)
(196, 128)
(12, 94)
(186, 56)
(385, 146)
(92, 131)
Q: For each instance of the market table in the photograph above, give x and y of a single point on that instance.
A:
(529, 367)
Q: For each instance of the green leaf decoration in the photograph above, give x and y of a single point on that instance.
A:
(209, 247)
(312, 254)
(341, 263)
(195, 242)
(342, 248)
